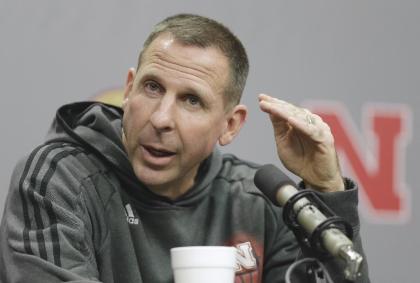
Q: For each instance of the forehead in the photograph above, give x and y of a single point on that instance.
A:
(206, 65)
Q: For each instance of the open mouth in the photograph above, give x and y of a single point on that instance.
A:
(158, 152)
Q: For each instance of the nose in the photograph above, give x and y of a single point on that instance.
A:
(162, 118)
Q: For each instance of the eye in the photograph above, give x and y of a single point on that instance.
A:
(193, 100)
(152, 87)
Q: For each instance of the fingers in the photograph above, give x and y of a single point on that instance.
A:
(282, 112)
(273, 105)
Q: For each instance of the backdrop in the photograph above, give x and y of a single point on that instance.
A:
(355, 63)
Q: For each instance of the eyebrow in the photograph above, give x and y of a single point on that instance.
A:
(148, 76)
(186, 89)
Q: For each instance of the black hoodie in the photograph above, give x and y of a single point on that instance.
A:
(76, 212)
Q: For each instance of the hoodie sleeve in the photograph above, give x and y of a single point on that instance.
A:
(45, 233)
(345, 205)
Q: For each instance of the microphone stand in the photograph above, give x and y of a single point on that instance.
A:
(316, 272)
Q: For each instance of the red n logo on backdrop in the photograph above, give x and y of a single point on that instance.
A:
(376, 160)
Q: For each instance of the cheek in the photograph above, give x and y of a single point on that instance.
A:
(134, 119)
(201, 137)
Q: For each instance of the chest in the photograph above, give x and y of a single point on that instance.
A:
(151, 233)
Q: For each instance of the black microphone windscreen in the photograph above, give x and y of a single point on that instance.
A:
(269, 179)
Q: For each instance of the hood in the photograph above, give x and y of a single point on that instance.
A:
(96, 127)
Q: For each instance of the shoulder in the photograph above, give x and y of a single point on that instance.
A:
(239, 172)
(236, 177)
(234, 168)
(57, 171)
(52, 159)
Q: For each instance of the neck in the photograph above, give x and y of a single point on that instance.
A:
(176, 188)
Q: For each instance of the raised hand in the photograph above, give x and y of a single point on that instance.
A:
(305, 144)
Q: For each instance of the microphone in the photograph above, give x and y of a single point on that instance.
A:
(282, 191)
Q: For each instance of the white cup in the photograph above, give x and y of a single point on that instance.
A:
(203, 264)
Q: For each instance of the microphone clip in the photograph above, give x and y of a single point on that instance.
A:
(313, 241)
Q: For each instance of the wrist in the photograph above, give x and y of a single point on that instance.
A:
(336, 185)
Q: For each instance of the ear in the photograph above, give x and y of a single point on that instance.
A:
(234, 122)
(131, 75)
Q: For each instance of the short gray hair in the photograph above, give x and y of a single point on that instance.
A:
(195, 30)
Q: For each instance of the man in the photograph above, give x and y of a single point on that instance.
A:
(111, 191)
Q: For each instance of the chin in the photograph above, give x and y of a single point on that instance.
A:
(151, 177)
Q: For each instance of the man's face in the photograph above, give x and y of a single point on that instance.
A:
(174, 113)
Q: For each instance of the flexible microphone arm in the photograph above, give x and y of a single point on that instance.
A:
(310, 218)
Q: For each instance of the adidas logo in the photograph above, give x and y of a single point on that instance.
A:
(131, 218)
